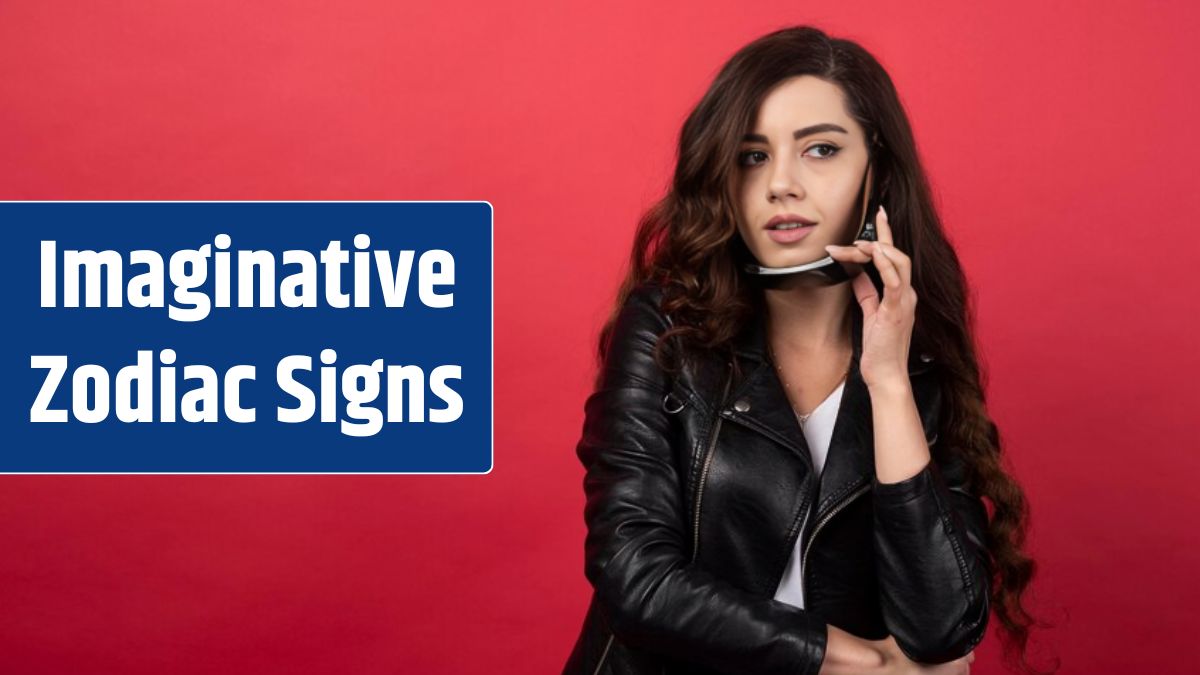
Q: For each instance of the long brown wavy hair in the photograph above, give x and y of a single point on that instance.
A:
(688, 241)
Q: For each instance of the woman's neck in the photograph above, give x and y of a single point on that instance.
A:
(809, 319)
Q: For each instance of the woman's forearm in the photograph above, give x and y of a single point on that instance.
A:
(900, 448)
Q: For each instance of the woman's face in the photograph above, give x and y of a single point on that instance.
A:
(806, 156)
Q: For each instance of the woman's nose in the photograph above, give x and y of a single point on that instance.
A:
(783, 179)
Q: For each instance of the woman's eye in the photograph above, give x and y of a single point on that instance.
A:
(742, 159)
(746, 158)
(833, 150)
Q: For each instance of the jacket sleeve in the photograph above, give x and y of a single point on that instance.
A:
(932, 563)
(637, 546)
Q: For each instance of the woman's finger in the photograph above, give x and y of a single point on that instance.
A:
(865, 293)
(883, 226)
(901, 261)
(903, 264)
(848, 253)
(890, 275)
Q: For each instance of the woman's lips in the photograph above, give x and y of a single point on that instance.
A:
(790, 236)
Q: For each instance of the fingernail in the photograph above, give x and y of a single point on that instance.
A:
(883, 211)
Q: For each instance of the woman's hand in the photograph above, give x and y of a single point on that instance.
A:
(887, 324)
(897, 663)
(848, 654)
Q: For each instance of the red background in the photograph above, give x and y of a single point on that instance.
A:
(1061, 144)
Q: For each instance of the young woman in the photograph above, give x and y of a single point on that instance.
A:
(785, 473)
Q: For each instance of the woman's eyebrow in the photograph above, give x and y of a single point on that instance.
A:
(799, 133)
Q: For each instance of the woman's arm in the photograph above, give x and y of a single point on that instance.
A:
(636, 553)
(930, 539)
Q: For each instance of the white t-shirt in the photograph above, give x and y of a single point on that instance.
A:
(818, 431)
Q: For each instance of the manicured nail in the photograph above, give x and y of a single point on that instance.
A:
(883, 211)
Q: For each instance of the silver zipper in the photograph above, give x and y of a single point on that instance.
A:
(604, 655)
(792, 541)
(808, 545)
(704, 471)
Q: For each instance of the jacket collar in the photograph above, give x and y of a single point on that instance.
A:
(759, 401)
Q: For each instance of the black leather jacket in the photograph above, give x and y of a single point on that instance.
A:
(697, 488)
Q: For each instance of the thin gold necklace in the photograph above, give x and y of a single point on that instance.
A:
(804, 416)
